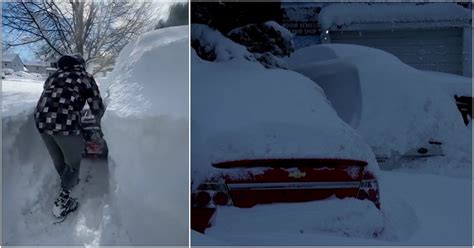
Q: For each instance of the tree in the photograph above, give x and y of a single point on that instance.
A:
(178, 15)
(97, 30)
(227, 15)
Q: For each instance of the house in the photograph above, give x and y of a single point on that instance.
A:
(427, 36)
(41, 67)
(50, 70)
(12, 61)
(36, 66)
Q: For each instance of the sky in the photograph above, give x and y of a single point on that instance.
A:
(26, 52)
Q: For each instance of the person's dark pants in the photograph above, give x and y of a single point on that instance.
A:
(66, 152)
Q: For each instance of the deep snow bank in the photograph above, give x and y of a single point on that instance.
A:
(146, 127)
(243, 111)
(400, 108)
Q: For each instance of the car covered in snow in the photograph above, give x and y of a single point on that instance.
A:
(371, 90)
(271, 137)
(282, 181)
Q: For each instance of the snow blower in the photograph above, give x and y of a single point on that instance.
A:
(95, 144)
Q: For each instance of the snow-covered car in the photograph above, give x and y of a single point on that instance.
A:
(372, 90)
(264, 136)
(281, 181)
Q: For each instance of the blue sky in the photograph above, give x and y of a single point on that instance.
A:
(26, 53)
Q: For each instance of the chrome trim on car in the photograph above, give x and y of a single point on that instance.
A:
(293, 185)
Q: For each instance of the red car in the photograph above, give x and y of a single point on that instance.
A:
(280, 180)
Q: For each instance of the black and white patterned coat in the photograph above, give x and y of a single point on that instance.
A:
(64, 95)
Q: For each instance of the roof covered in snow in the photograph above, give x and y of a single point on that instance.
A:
(8, 57)
(36, 63)
(363, 13)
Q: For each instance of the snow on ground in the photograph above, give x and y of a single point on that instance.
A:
(419, 210)
(346, 14)
(371, 90)
(140, 197)
(233, 119)
(243, 111)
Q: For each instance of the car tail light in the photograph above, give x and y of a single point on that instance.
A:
(220, 198)
(202, 199)
(211, 194)
(369, 189)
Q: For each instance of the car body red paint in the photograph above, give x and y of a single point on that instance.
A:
(281, 181)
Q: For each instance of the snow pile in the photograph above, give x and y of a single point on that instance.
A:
(346, 14)
(211, 45)
(20, 97)
(394, 106)
(418, 210)
(146, 127)
(243, 111)
(347, 217)
(10, 75)
(133, 91)
(27, 75)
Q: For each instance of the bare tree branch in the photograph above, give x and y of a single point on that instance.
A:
(98, 30)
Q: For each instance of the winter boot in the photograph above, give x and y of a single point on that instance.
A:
(64, 204)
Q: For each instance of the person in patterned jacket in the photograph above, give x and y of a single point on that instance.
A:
(57, 116)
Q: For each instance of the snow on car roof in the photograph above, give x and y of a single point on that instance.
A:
(363, 13)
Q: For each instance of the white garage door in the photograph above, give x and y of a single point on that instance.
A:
(434, 49)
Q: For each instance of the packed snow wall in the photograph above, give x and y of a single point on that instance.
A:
(26, 176)
(146, 127)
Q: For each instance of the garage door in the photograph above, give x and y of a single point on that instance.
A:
(435, 50)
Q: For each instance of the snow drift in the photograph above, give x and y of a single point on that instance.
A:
(146, 126)
(382, 91)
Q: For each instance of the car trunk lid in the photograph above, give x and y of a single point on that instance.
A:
(292, 180)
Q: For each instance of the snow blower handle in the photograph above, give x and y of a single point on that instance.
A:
(88, 117)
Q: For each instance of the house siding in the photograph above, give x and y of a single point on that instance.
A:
(425, 49)
(16, 64)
